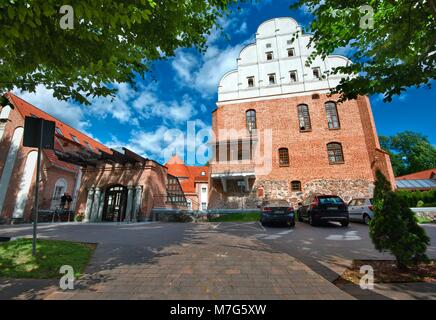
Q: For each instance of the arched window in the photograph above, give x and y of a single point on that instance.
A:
(251, 120)
(60, 188)
(295, 186)
(332, 115)
(335, 153)
(304, 117)
(283, 157)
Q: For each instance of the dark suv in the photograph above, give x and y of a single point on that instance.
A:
(322, 208)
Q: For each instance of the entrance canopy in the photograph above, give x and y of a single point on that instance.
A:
(243, 178)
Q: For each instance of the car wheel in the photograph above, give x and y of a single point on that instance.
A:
(345, 223)
(311, 220)
(366, 219)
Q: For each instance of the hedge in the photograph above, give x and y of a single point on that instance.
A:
(413, 197)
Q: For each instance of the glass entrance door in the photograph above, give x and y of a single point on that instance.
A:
(115, 204)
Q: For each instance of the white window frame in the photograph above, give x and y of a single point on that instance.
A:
(248, 82)
(269, 79)
(296, 75)
(319, 73)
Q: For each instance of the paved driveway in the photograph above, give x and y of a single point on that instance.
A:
(180, 261)
(206, 261)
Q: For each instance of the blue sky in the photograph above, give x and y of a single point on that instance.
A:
(152, 119)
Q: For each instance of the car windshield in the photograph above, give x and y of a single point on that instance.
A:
(277, 203)
(330, 200)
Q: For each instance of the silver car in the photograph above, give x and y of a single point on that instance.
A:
(361, 210)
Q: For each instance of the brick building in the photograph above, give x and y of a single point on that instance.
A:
(278, 134)
(193, 180)
(105, 184)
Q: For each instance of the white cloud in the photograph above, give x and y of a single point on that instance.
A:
(65, 111)
(242, 29)
(203, 72)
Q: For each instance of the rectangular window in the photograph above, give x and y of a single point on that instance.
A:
(268, 45)
(291, 52)
(203, 206)
(304, 117)
(335, 154)
(272, 79)
(250, 81)
(332, 115)
(296, 186)
(293, 76)
(269, 55)
(289, 42)
(283, 157)
(316, 73)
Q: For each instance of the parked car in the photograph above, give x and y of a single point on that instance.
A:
(277, 212)
(361, 210)
(322, 208)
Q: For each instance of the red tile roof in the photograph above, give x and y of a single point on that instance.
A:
(188, 175)
(420, 175)
(27, 109)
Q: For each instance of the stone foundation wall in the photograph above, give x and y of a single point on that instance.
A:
(281, 189)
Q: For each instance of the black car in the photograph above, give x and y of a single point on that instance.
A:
(277, 212)
(322, 208)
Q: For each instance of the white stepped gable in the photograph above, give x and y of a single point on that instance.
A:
(275, 65)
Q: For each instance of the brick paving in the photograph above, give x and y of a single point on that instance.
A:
(210, 265)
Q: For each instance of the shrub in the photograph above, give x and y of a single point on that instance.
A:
(79, 217)
(420, 204)
(394, 227)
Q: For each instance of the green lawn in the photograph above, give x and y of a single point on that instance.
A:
(237, 217)
(423, 220)
(16, 260)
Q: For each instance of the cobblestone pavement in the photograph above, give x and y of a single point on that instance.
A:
(207, 265)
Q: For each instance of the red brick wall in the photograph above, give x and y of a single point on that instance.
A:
(307, 150)
(49, 175)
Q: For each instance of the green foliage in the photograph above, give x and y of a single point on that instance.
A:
(112, 41)
(394, 227)
(381, 188)
(420, 204)
(410, 152)
(236, 217)
(412, 198)
(397, 53)
(16, 260)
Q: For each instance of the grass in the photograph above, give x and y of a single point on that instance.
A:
(237, 217)
(424, 220)
(386, 271)
(16, 260)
